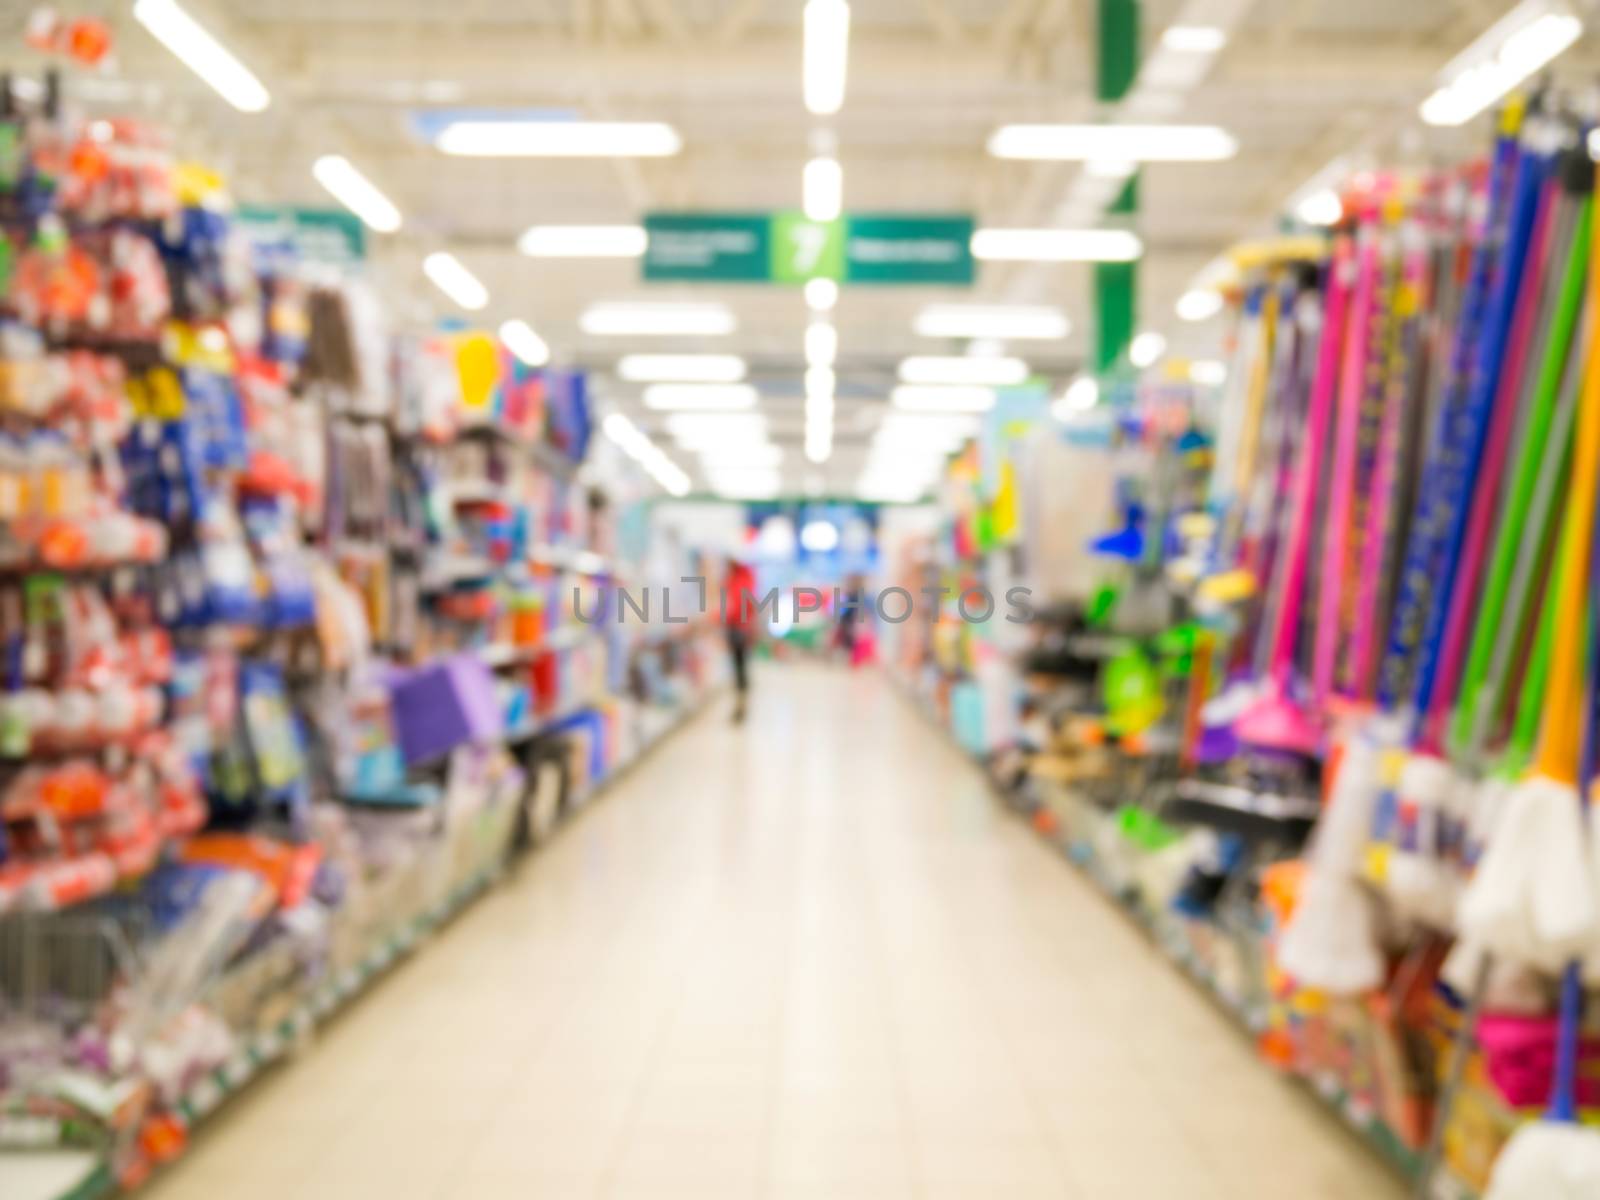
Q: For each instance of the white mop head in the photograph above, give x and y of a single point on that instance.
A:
(1346, 820)
(1419, 882)
(1533, 896)
(1331, 941)
(1548, 1161)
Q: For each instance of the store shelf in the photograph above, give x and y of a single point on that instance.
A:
(74, 1175)
(1370, 1128)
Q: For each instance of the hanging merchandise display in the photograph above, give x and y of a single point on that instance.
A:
(1322, 732)
(292, 660)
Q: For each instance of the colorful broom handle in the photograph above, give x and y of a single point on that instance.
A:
(1560, 739)
(1530, 472)
(1416, 571)
(1465, 462)
(1343, 481)
(1311, 455)
(1486, 491)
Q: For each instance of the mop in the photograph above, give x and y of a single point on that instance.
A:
(1558, 1158)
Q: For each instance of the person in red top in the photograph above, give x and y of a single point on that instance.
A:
(739, 623)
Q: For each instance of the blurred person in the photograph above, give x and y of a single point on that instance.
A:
(739, 622)
(853, 635)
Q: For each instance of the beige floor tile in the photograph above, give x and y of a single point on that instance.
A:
(809, 959)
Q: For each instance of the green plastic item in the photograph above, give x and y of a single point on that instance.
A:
(1514, 522)
(1132, 687)
(1176, 646)
(1144, 829)
(1102, 604)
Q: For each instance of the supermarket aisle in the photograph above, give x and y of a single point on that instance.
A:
(811, 958)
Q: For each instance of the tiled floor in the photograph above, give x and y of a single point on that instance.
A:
(806, 958)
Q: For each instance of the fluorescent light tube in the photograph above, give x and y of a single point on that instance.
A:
(356, 192)
(657, 320)
(1321, 207)
(1510, 51)
(1194, 39)
(455, 281)
(1082, 394)
(559, 139)
(522, 341)
(821, 295)
(1138, 143)
(717, 457)
(933, 399)
(202, 54)
(1199, 304)
(1145, 349)
(1208, 372)
(988, 372)
(820, 381)
(584, 241)
(681, 368)
(1056, 245)
(700, 431)
(1005, 323)
(822, 189)
(822, 344)
(703, 397)
(827, 52)
(646, 453)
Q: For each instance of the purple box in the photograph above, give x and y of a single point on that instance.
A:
(444, 705)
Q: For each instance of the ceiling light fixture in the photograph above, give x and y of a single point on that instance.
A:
(1511, 50)
(584, 241)
(701, 397)
(559, 139)
(356, 192)
(923, 398)
(984, 372)
(1082, 394)
(822, 189)
(1145, 349)
(454, 280)
(522, 341)
(681, 368)
(1056, 245)
(202, 54)
(822, 344)
(657, 320)
(821, 295)
(1136, 143)
(1194, 39)
(1001, 322)
(646, 453)
(1199, 304)
(1321, 207)
(827, 55)
(1208, 372)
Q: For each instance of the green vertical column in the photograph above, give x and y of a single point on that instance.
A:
(1116, 285)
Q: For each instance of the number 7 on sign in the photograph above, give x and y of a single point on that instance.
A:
(803, 249)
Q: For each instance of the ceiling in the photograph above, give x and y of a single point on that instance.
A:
(1299, 82)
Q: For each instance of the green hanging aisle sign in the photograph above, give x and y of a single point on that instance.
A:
(889, 249)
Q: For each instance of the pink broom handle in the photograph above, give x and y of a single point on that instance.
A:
(1342, 485)
(1312, 451)
(1486, 495)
